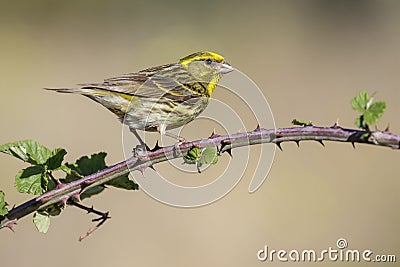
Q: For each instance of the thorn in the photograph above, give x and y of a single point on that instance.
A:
(90, 210)
(77, 197)
(376, 128)
(152, 167)
(279, 145)
(141, 169)
(322, 143)
(58, 186)
(64, 201)
(372, 139)
(213, 134)
(387, 128)
(224, 143)
(258, 128)
(336, 124)
(297, 143)
(10, 225)
(354, 146)
(156, 147)
(229, 151)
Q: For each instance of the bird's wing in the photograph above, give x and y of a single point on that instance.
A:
(155, 82)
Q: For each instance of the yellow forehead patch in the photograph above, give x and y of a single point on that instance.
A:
(201, 56)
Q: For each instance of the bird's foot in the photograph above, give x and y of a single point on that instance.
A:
(140, 151)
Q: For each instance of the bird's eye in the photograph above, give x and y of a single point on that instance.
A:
(208, 61)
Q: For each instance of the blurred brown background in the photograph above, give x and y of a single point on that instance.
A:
(309, 58)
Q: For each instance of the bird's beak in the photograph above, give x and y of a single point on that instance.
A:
(225, 67)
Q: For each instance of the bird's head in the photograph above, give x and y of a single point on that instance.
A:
(206, 67)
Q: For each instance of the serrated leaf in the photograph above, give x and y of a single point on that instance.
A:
(38, 153)
(374, 112)
(32, 180)
(3, 205)
(15, 150)
(85, 166)
(192, 156)
(123, 182)
(56, 158)
(361, 101)
(209, 156)
(41, 221)
(28, 151)
(95, 163)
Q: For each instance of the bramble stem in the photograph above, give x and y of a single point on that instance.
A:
(224, 144)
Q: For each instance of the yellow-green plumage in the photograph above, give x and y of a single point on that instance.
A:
(160, 98)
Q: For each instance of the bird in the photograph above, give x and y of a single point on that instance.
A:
(159, 98)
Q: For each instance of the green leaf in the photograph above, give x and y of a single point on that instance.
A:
(192, 156)
(370, 112)
(28, 151)
(361, 101)
(359, 121)
(301, 123)
(123, 182)
(92, 191)
(85, 166)
(56, 158)
(53, 210)
(15, 150)
(374, 112)
(65, 169)
(95, 163)
(3, 205)
(38, 153)
(209, 156)
(41, 221)
(32, 180)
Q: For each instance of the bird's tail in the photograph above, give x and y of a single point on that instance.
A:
(67, 90)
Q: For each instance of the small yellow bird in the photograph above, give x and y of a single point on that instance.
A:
(159, 98)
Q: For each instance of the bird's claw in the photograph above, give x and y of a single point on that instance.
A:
(140, 151)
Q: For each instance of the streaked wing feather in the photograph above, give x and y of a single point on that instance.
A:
(150, 83)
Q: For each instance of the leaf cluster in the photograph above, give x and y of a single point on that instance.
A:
(39, 178)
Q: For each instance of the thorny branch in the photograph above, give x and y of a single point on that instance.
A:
(102, 219)
(63, 192)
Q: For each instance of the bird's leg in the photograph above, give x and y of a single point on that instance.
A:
(176, 137)
(162, 130)
(138, 136)
(139, 149)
